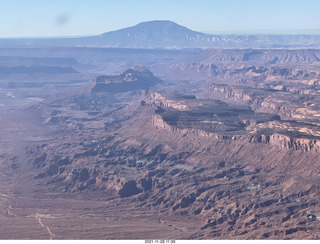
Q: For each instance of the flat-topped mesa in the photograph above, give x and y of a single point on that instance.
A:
(222, 121)
(221, 131)
(134, 78)
(174, 101)
(176, 112)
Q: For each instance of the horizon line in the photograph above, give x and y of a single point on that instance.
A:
(289, 32)
(284, 31)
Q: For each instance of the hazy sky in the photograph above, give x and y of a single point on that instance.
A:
(20, 18)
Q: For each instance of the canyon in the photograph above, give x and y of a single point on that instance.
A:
(189, 143)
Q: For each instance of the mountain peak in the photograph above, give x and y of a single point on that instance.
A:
(159, 23)
(155, 22)
(165, 27)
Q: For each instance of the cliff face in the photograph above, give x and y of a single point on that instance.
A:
(290, 143)
(158, 122)
(232, 93)
(279, 140)
(170, 115)
(293, 143)
(286, 104)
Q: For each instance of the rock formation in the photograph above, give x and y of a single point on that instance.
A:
(132, 79)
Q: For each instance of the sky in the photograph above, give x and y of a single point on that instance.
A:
(40, 18)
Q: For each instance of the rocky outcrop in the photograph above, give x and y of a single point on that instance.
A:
(129, 188)
(132, 79)
(176, 101)
(232, 93)
(287, 142)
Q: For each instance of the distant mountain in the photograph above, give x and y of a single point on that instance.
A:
(152, 34)
(167, 34)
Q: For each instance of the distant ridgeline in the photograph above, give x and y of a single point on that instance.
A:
(169, 35)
